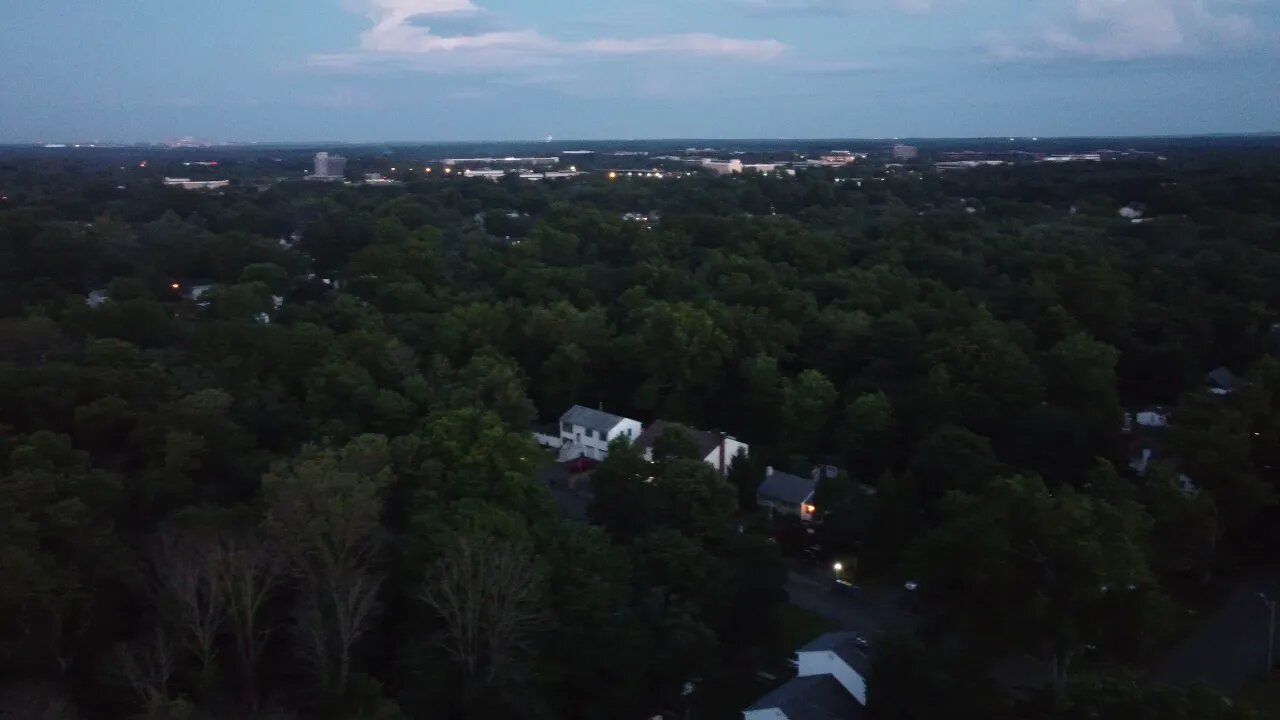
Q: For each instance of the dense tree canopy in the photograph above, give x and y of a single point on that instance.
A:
(267, 450)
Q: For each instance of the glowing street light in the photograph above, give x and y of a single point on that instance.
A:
(838, 567)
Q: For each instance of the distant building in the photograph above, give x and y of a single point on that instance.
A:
(329, 167)
(965, 164)
(723, 167)
(487, 174)
(836, 158)
(1075, 157)
(1221, 381)
(510, 161)
(96, 297)
(904, 152)
(188, 184)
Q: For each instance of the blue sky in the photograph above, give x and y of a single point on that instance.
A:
(430, 70)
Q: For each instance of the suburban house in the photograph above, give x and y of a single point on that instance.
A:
(1149, 445)
(96, 297)
(714, 448)
(830, 683)
(584, 432)
(786, 493)
(1221, 381)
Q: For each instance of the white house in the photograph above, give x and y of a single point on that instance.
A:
(714, 448)
(830, 683)
(587, 433)
(787, 493)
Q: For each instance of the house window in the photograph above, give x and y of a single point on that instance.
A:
(566, 427)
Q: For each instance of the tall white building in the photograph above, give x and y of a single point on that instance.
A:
(330, 166)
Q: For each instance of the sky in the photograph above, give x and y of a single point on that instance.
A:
(441, 70)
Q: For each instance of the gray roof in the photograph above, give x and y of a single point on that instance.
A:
(814, 697)
(597, 420)
(786, 488)
(843, 644)
(703, 441)
(1221, 377)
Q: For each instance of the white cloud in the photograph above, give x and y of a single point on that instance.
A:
(1131, 30)
(401, 33)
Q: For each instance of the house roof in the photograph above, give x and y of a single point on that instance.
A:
(786, 488)
(597, 420)
(1221, 377)
(813, 697)
(703, 440)
(843, 644)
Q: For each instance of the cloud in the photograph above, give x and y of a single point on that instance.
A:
(402, 32)
(787, 7)
(1119, 30)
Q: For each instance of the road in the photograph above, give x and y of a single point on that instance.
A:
(1226, 650)
(1229, 647)
(869, 611)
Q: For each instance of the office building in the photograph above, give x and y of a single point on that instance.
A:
(905, 152)
(329, 167)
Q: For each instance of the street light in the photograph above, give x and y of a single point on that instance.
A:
(1271, 630)
(838, 567)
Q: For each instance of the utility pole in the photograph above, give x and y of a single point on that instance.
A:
(1271, 631)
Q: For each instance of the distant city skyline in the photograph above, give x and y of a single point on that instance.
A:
(118, 71)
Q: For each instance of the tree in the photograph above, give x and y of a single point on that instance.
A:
(622, 501)
(1029, 569)
(324, 508)
(249, 573)
(488, 595)
(953, 458)
(1184, 533)
(868, 433)
(1081, 375)
(1214, 441)
(674, 443)
(692, 497)
(189, 590)
(808, 402)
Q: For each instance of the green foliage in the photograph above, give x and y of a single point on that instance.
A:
(352, 398)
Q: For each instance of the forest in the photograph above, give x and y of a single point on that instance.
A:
(310, 490)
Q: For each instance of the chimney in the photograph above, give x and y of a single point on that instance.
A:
(768, 470)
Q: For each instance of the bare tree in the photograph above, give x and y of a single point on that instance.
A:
(147, 665)
(324, 508)
(186, 571)
(487, 594)
(249, 571)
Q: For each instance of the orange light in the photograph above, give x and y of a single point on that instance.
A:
(809, 508)
(613, 175)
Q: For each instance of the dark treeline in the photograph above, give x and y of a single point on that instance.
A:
(311, 490)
